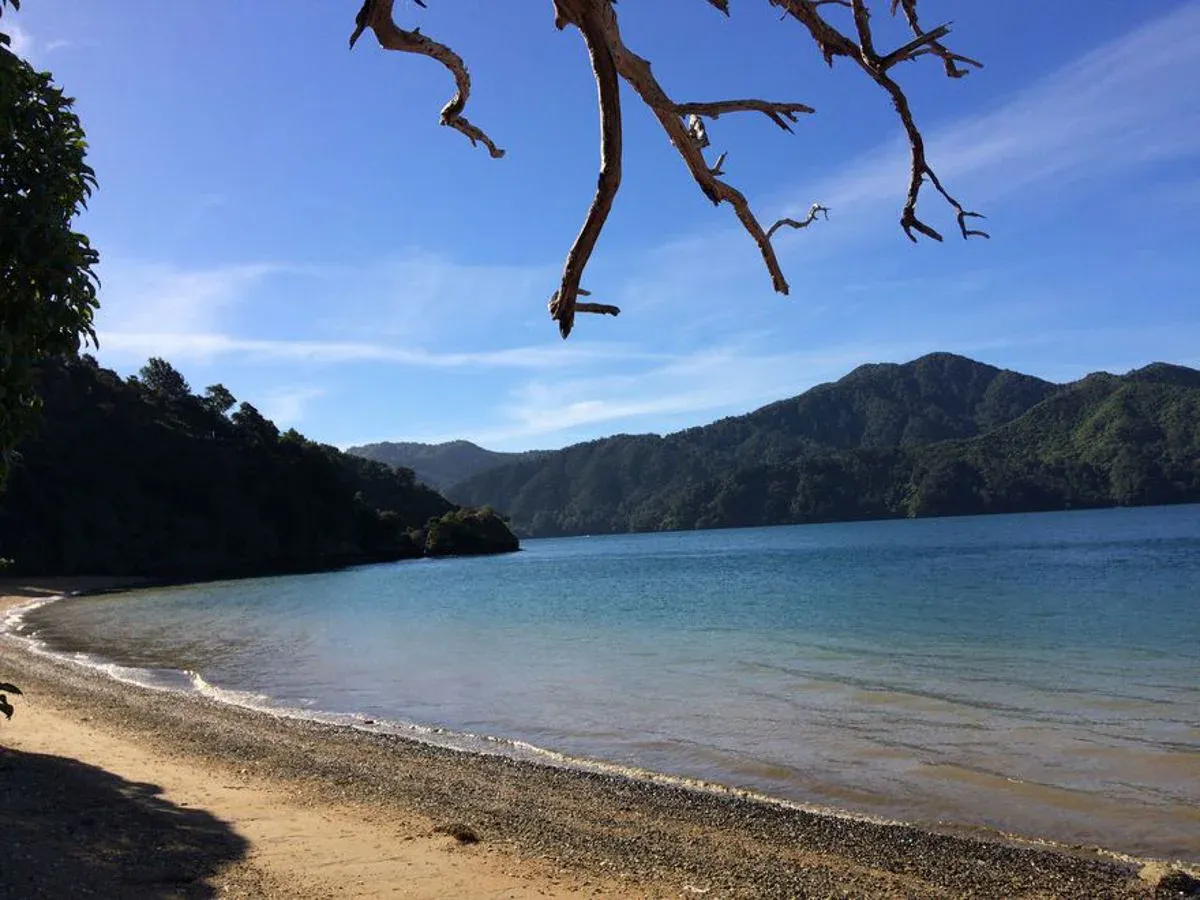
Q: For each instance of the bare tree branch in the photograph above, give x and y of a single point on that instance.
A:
(597, 22)
(377, 15)
(612, 62)
(914, 48)
(563, 303)
(834, 43)
(816, 210)
(636, 71)
(949, 60)
(779, 113)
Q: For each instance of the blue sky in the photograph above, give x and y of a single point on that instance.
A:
(286, 217)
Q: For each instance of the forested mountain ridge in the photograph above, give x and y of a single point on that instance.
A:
(936, 397)
(142, 477)
(939, 435)
(438, 465)
(881, 404)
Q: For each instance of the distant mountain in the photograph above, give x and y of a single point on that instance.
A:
(939, 435)
(140, 476)
(438, 465)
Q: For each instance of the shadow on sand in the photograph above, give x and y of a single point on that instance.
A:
(72, 830)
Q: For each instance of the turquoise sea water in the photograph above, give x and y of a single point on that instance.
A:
(1038, 673)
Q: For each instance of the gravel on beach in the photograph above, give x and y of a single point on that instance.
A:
(661, 839)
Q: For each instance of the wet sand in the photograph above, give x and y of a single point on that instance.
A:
(115, 790)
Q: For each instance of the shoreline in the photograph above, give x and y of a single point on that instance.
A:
(557, 827)
(457, 742)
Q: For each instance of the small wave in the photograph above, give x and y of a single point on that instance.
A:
(247, 699)
(13, 621)
(192, 682)
(14, 626)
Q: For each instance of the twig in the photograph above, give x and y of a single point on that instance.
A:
(563, 303)
(377, 15)
(834, 43)
(612, 61)
(816, 210)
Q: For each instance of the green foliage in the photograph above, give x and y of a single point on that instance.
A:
(465, 532)
(126, 479)
(219, 398)
(163, 378)
(47, 284)
(254, 426)
(942, 435)
(438, 465)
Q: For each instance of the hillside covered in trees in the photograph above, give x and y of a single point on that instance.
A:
(140, 476)
(438, 465)
(941, 435)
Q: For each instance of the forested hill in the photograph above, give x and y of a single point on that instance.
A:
(140, 476)
(438, 465)
(940, 435)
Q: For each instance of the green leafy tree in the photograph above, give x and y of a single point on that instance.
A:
(122, 480)
(254, 425)
(164, 379)
(47, 282)
(219, 398)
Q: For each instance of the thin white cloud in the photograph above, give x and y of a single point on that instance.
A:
(21, 42)
(734, 379)
(200, 315)
(729, 379)
(287, 406)
(24, 45)
(1128, 103)
(415, 297)
(151, 298)
(1124, 106)
(205, 347)
(724, 380)
(425, 296)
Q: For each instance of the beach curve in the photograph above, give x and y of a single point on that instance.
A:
(355, 812)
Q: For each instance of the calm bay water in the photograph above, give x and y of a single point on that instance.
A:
(1037, 673)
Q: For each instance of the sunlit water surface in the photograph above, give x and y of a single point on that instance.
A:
(1039, 674)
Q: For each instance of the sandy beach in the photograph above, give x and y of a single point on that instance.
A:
(113, 790)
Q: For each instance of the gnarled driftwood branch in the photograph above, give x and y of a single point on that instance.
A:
(684, 123)
(377, 16)
(834, 43)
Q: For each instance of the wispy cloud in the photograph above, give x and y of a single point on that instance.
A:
(415, 297)
(418, 294)
(1121, 109)
(1128, 103)
(205, 347)
(148, 298)
(717, 380)
(21, 42)
(735, 378)
(286, 406)
(24, 45)
(1125, 105)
